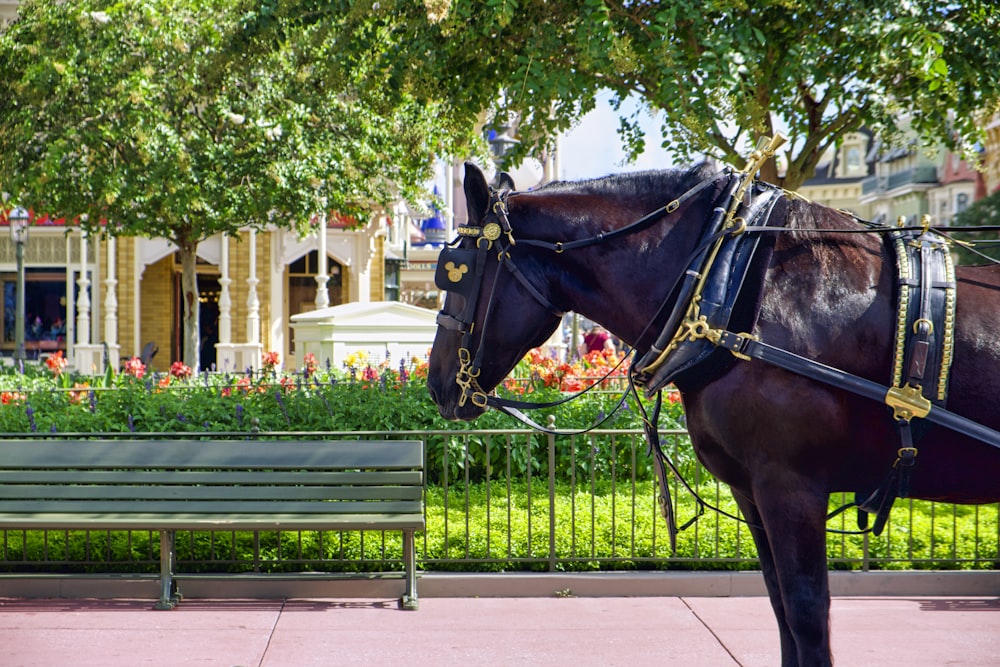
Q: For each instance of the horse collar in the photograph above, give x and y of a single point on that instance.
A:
(710, 287)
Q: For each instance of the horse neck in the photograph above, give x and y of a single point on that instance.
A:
(620, 284)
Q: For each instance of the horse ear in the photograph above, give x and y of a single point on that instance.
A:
(477, 193)
(505, 182)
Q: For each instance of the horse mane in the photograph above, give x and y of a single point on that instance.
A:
(637, 184)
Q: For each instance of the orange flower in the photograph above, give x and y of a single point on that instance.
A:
(270, 360)
(56, 362)
(78, 395)
(10, 397)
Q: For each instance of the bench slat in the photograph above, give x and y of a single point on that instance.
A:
(213, 522)
(274, 477)
(47, 492)
(260, 507)
(209, 454)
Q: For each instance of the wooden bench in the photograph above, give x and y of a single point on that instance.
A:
(219, 485)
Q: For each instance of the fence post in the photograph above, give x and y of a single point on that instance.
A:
(865, 559)
(552, 494)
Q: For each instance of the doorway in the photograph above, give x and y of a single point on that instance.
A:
(208, 315)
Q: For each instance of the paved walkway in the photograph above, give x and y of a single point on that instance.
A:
(577, 631)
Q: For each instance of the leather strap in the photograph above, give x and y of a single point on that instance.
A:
(750, 347)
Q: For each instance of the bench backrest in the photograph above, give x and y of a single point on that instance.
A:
(190, 477)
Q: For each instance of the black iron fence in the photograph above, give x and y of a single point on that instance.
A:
(520, 500)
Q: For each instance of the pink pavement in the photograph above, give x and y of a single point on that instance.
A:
(577, 631)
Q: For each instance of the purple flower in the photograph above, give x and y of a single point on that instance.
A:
(30, 412)
(281, 404)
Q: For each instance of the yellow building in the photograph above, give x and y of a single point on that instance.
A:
(991, 155)
(839, 175)
(104, 300)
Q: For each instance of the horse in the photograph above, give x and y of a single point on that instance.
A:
(782, 441)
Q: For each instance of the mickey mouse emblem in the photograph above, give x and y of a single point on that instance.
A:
(455, 273)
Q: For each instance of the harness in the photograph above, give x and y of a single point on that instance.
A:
(705, 299)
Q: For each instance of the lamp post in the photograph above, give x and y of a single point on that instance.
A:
(501, 143)
(19, 235)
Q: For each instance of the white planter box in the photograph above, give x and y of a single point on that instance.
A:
(376, 328)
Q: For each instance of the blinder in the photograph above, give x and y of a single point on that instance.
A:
(456, 271)
(460, 271)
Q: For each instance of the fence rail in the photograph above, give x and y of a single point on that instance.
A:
(520, 500)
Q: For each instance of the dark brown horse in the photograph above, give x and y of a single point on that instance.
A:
(782, 441)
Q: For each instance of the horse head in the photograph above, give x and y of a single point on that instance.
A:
(495, 311)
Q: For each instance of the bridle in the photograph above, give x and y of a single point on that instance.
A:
(461, 269)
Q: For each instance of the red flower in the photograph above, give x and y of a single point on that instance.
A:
(270, 360)
(135, 367)
(180, 370)
(309, 359)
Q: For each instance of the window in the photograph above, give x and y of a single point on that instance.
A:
(854, 165)
(392, 279)
(44, 310)
(961, 202)
(302, 287)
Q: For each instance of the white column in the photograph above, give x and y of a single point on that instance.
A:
(364, 250)
(253, 303)
(83, 300)
(225, 301)
(248, 354)
(111, 304)
(225, 354)
(322, 274)
(88, 358)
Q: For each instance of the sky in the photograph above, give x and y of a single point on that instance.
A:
(593, 148)
(590, 150)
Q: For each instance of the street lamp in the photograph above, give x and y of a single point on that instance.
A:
(19, 235)
(501, 143)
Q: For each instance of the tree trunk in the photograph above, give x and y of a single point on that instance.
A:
(190, 305)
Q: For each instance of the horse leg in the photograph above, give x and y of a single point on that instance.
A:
(793, 518)
(789, 653)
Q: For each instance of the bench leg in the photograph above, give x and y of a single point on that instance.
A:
(169, 595)
(409, 600)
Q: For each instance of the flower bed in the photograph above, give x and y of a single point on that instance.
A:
(359, 397)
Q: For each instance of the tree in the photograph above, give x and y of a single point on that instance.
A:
(142, 119)
(722, 72)
(986, 248)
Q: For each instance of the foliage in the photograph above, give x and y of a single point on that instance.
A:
(719, 73)
(141, 119)
(986, 245)
(360, 397)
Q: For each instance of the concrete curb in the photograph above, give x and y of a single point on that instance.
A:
(506, 585)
